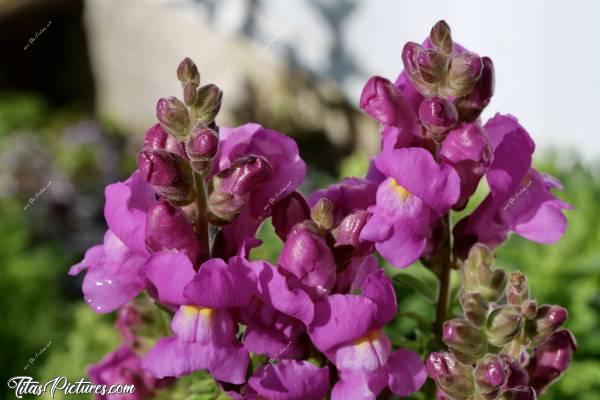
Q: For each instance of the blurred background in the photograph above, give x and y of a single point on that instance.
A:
(79, 81)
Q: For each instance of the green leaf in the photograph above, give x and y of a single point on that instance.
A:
(428, 290)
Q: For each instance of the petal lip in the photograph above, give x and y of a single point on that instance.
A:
(438, 185)
(291, 380)
(168, 273)
(125, 210)
(221, 285)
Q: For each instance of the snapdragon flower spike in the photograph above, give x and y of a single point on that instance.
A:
(416, 193)
(360, 351)
(288, 171)
(123, 367)
(204, 324)
(520, 199)
(115, 269)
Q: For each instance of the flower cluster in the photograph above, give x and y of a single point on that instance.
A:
(506, 346)
(182, 227)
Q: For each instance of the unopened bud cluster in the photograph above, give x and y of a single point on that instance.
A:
(457, 84)
(505, 346)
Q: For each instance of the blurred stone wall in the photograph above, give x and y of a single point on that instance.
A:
(136, 45)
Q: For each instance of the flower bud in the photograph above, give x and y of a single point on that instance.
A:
(464, 71)
(384, 102)
(466, 148)
(288, 212)
(169, 174)
(470, 107)
(454, 378)
(438, 115)
(548, 319)
(517, 290)
(224, 207)
(207, 104)
(246, 174)
(233, 184)
(187, 72)
(519, 393)
(189, 94)
(173, 116)
(503, 325)
(348, 231)
(551, 359)
(425, 67)
(201, 147)
(529, 308)
(517, 376)
(475, 308)
(308, 257)
(491, 374)
(168, 228)
(322, 214)
(157, 138)
(441, 38)
(478, 277)
(466, 341)
(128, 318)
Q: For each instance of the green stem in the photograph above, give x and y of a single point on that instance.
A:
(444, 271)
(202, 226)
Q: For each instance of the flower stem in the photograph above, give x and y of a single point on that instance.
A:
(202, 227)
(444, 270)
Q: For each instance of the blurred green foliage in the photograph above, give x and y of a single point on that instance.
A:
(43, 310)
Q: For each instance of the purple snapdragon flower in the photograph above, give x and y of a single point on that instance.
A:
(123, 367)
(115, 269)
(416, 193)
(357, 346)
(520, 198)
(287, 172)
(286, 380)
(205, 323)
